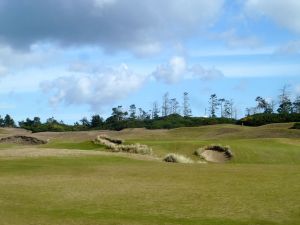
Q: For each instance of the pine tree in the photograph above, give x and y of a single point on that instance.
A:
(296, 105)
(221, 102)
(155, 110)
(285, 104)
(213, 105)
(8, 121)
(96, 121)
(132, 112)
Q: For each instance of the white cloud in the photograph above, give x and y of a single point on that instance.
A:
(290, 48)
(177, 69)
(298, 89)
(3, 70)
(147, 49)
(103, 3)
(171, 72)
(260, 69)
(36, 57)
(233, 40)
(198, 72)
(5, 106)
(283, 12)
(95, 90)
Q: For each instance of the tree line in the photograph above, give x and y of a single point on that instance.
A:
(272, 111)
(172, 113)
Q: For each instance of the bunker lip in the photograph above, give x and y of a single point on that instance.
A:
(21, 139)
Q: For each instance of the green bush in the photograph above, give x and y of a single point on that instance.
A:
(267, 118)
(296, 126)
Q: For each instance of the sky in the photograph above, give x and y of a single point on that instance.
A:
(74, 58)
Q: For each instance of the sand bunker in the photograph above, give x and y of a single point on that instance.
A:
(23, 140)
(215, 153)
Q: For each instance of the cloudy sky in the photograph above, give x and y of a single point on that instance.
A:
(74, 58)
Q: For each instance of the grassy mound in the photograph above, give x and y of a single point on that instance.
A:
(23, 140)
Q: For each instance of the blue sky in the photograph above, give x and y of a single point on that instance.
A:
(75, 58)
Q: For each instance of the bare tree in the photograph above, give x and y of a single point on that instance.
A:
(166, 105)
(187, 112)
(155, 110)
(174, 106)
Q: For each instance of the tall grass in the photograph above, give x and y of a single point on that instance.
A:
(114, 147)
(176, 158)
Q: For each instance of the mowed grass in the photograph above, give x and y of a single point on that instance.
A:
(259, 186)
(251, 151)
(114, 190)
(84, 145)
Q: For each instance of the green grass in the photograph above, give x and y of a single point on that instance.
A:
(85, 145)
(113, 190)
(5, 145)
(254, 151)
(260, 186)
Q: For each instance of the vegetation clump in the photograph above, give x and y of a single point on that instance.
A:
(110, 139)
(115, 145)
(176, 158)
(22, 140)
(296, 126)
(267, 118)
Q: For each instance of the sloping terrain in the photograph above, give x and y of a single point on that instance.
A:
(22, 140)
(73, 181)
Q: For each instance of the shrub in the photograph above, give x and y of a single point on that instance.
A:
(267, 118)
(296, 126)
(176, 158)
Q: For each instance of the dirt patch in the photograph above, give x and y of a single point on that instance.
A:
(23, 140)
(215, 153)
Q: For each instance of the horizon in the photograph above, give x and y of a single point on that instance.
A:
(101, 54)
